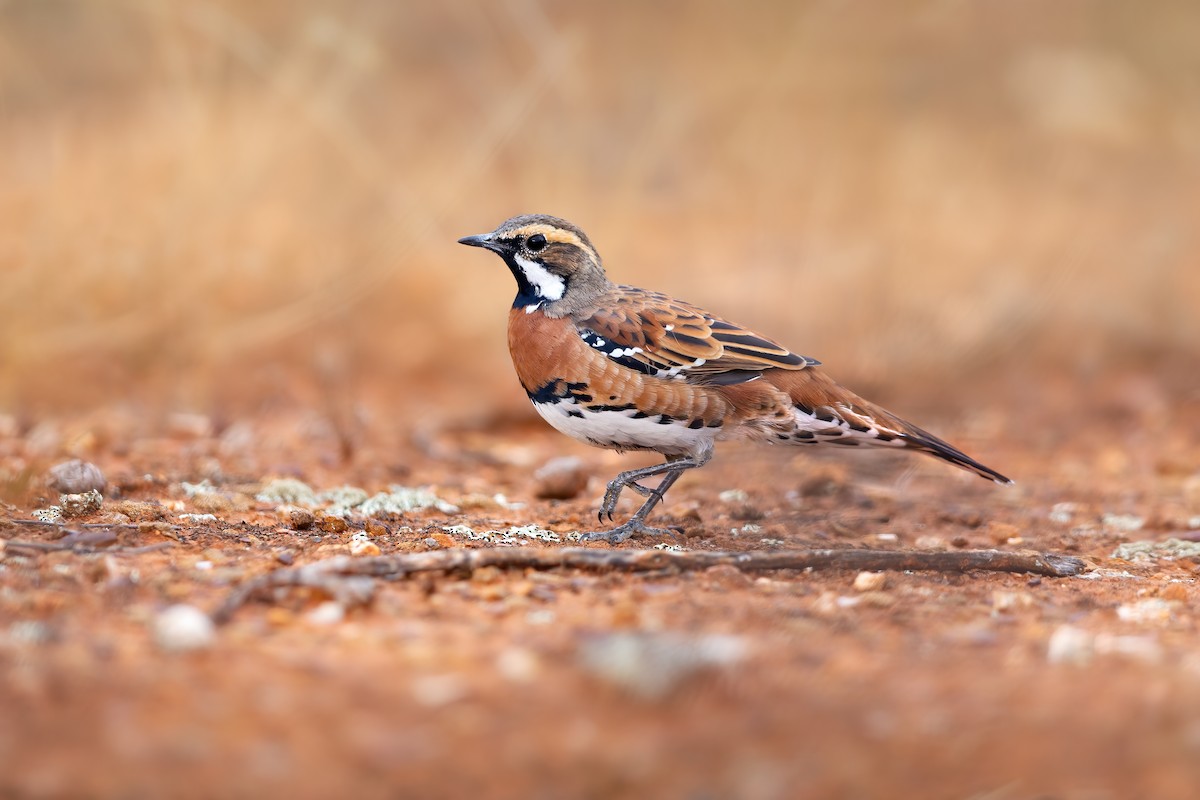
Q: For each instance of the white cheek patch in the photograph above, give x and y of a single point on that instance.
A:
(543, 281)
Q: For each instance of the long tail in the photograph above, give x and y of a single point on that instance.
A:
(827, 413)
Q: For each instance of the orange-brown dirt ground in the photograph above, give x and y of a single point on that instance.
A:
(227, 261)
(934, 684)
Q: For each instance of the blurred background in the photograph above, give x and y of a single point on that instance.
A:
(216, 205)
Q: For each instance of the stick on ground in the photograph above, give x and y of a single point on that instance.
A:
(350, 579)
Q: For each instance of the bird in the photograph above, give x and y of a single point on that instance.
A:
(630, 369)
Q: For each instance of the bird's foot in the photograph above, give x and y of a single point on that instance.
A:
(613, 494)
(623, 532)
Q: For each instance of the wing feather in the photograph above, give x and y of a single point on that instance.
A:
(661, 336)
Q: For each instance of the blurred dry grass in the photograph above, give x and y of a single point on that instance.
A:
(213, 202)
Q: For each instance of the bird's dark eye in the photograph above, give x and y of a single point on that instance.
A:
(535, 242)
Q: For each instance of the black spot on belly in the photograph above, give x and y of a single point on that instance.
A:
(574, 413)
(665, 419)
(557, 390)
(696, 424)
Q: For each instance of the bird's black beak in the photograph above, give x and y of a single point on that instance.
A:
(482, 240)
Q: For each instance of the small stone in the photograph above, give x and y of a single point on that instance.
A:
(561, 479)
(1005, 601)
(1063, 513)
(183, 627)
(363, 547)
(300, 519)
(1002, 532)
(138, 511)
(80, 505)
(930, 542)
(960, 542)
(330, 523)
(733, 496)
(1145, 649)
(75, 477)
(212, 503)
(330, 612)
(1152, 610)
(650, 665)
(518, 665)
(1123, 523)
(870, 581)
(1070, 645)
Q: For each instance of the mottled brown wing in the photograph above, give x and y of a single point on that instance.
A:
(661, 336)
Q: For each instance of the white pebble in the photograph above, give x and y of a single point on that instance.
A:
(1069, 645)
(183, 627)
(1150, 610)
(328, 613)
(870, 581)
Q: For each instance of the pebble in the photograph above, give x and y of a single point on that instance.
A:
(1003, 600)
(330, 612)
(75, 477)
(1069, 645)
(1002, 532)
(80, 505)
(360, 545)
(561, 478)
(1151, 610)
(300, 519)
(650, 665)
(331, 523)
(518, 665)
(182, 627)
(930, 542)
(1123, 523)
(870, 581)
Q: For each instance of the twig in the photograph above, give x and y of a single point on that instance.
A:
(333, 574)
(84, 547)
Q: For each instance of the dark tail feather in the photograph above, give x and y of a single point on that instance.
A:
(926, 442)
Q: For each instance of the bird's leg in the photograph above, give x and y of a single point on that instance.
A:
(674, 467)
(629, 479)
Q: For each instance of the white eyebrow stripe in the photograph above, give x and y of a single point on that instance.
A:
(544, 282)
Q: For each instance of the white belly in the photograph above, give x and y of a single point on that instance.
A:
(620, 430)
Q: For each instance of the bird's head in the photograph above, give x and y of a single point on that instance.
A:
(555, 265)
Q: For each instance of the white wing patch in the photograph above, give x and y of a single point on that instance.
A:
(544, 282)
